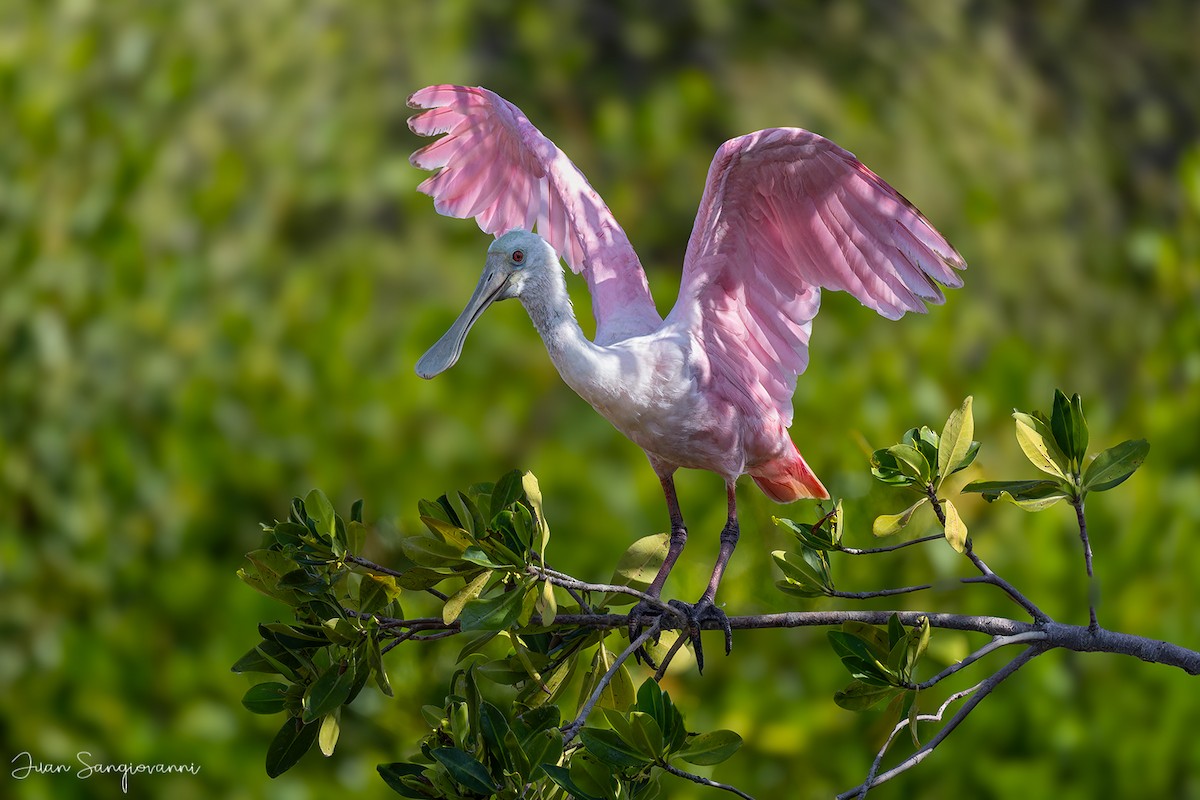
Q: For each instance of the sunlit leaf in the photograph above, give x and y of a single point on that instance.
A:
(637, 567)
(955, 441)
(454, 605)
(327, 737)
(956, 530)
(611, 749)
(889, 524)
(1037, 442)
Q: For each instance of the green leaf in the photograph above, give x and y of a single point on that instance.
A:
(610, 748)
(328, 692)
(808, 570)
(887, 468)
(859, 658)
(454, 605)
(890, 524)
(376, 592)
(493, 613)
(561, 776)
(507, 491)
(400, 775)
(1030, 495)
(955, 442)
(710, 748)
(1068, 427)
(956, 530)
(292, 741)
(1037, 442)
(1114, 465)
(637, 567)
(912, 462)
(918, 641)
(619, 693)
(375, 660)
(465, 769)
(547, 603)
(265, 698)
(320, 511)
(356, 536)
(646, 735)
(859, 696)
(426, 551)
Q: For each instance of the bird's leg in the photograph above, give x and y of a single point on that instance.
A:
(674, 548)
(705, 609)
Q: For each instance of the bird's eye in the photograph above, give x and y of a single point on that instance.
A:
(518, 256)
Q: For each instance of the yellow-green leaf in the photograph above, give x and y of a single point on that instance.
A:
(1039, 447)
(547, 604)
(533, 493)
(956, 531)
(454, 606)
(888, 524)
(328, 735)
(956, 438)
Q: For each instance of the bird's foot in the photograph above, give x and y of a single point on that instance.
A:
(640, 612)
(697, 615)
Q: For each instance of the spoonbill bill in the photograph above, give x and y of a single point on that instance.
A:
(785, 213)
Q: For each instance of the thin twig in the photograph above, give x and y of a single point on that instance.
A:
(866, 551)
(881, 592)
(983, 690)
(904, 723)
(992, 578)
(703, 781)
(566, 581)
(571, 730)
(1087, 560)
(679, 642)
(992, 646)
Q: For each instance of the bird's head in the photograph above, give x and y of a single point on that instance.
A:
(516, 261)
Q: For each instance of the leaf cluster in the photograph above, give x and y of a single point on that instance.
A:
(1057, 445)
(482, 554)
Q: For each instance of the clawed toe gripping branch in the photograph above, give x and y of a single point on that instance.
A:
(558, 648)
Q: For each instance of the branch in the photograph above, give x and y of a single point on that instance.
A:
(983, 690)
(1078, 638)
(703, 781)
(855, 551)
(992, 646)
(572, 729)
(1087, 560)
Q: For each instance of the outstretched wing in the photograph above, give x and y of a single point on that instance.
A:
(497, 167)
(786, 213)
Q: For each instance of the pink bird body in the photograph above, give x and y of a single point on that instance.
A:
(784, 214)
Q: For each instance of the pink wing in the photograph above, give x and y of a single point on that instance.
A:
(497, 167)
(786, 213)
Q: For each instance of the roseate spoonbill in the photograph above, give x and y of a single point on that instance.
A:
(785, 213)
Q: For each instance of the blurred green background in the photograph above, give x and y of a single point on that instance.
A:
(215, 278)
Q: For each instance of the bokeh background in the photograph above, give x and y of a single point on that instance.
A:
(215, 278)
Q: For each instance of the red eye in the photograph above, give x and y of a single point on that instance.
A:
(518, 256)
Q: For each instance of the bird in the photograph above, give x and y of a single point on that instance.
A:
(784, 214)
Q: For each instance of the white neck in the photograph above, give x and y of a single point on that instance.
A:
(578, 360)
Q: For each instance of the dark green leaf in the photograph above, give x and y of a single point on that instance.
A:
(292, 741)
(320, 511)
(1079, 428)
(507, 491)
(561, 776)
(859, 696)
(328, 691)
(1114, 465)
(912, 462)
(253, 661)
(646, 734)
(466, 770)
(1029, 495)
(1063, 427)
(398, 775)
(265, 698)
(492, 613)
(710, 748)
(611, 749)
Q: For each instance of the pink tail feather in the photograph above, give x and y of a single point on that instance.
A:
(788, 478)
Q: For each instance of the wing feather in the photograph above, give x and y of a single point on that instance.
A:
(786, 213)
(496, 167)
